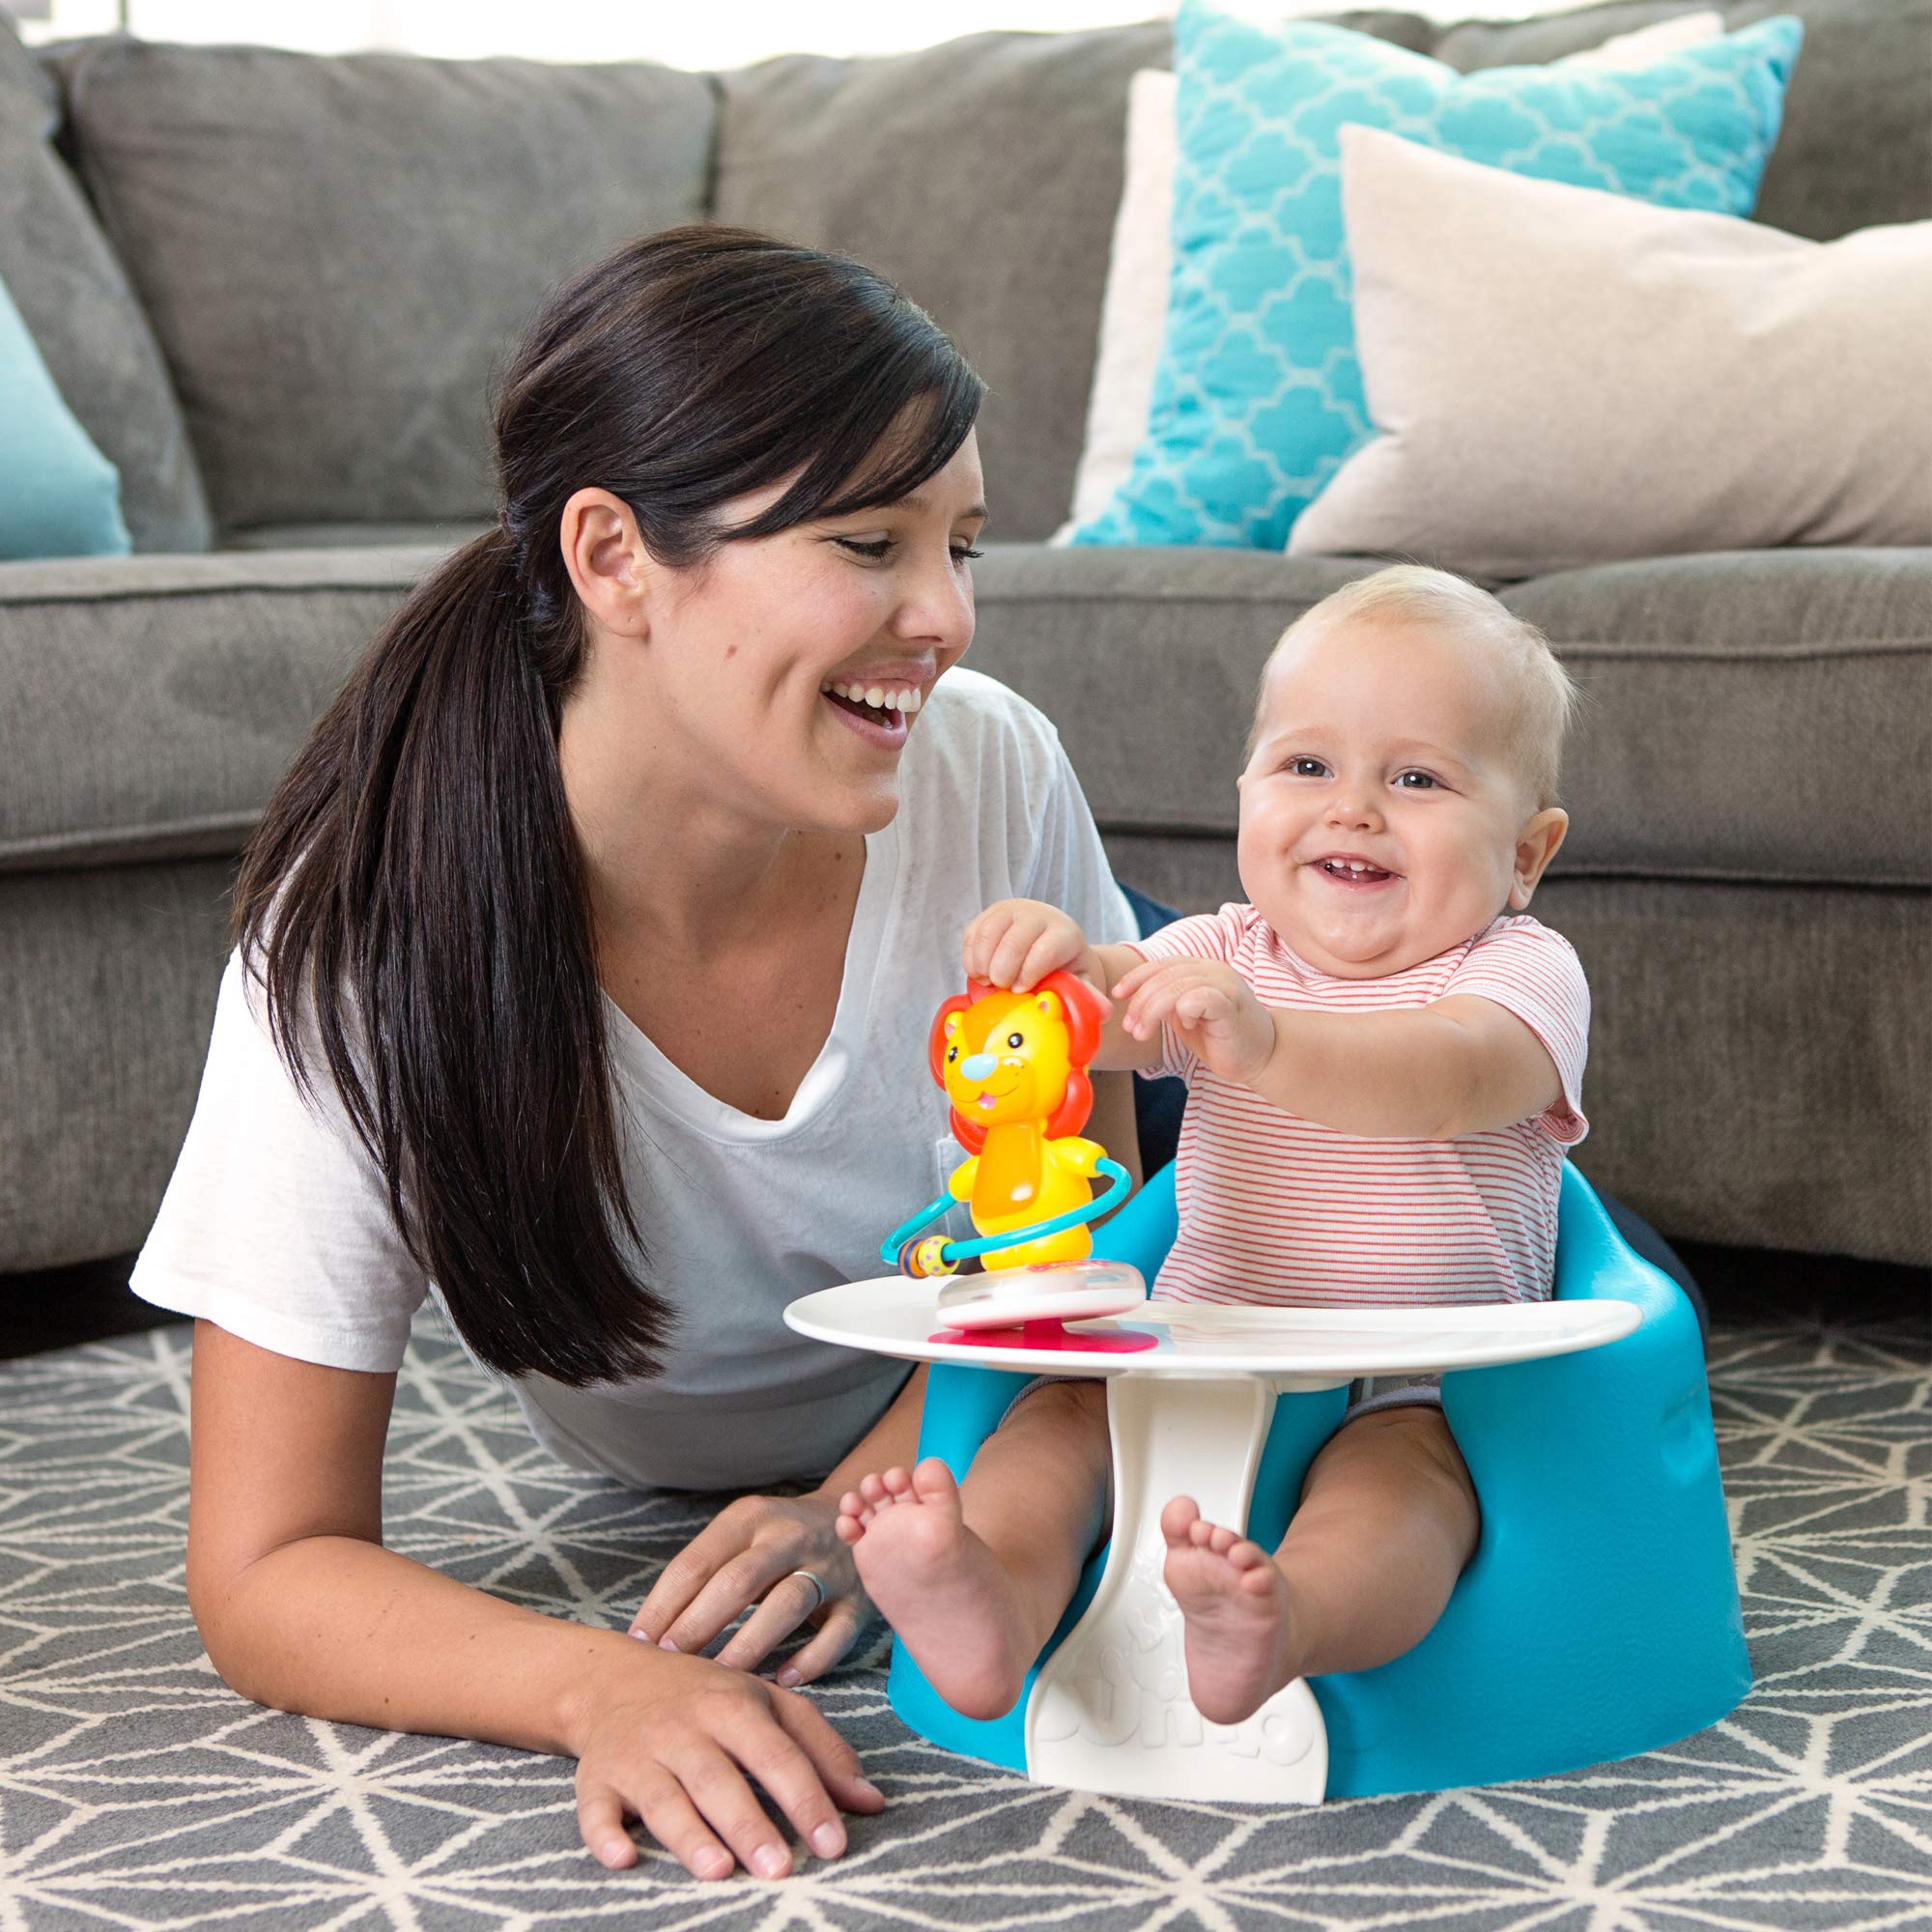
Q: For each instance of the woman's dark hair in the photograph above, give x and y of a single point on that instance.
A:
(413, 903)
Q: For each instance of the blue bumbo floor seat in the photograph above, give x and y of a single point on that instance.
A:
(1599, 1617)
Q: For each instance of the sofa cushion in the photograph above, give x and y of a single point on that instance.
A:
(84, 318)
(1757, 717)
(339, 253)
(1854, 150)
(153, 702)
(357, 536)
(982, 177)
(1727, 698)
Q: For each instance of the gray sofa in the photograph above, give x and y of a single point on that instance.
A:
(274, 288)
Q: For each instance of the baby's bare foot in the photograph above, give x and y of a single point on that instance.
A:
(949, 1599)
(1234, 1602)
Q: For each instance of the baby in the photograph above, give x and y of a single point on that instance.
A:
(1383, 1060)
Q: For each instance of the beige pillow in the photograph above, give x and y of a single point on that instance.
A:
(1564, 377)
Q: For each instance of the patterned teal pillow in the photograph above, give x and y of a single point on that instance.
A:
(1258, 397)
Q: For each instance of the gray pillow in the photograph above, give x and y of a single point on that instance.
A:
(85, 320)
(338, 253)
(1564, 377)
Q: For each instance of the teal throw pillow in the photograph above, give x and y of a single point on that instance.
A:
(59, 495)
(1258, 397)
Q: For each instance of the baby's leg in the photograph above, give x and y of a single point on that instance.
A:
(973, 1579)
(1388, 1519)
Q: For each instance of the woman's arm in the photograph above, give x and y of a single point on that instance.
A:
(300, 1607)
(1114, 1125)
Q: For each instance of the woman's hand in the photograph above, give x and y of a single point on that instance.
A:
(676, 1741)
(1211, 1008)
(1016, 943)
(746, 1555)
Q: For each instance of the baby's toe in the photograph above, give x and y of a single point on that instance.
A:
(932, 1482)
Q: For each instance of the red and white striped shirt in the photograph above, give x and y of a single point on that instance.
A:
(1278, 1209)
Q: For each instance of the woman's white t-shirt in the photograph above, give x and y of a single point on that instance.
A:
(276, 1224)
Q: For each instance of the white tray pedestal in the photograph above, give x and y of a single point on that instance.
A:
(1110, 1711)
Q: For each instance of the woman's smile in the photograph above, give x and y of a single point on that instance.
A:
(877, 702)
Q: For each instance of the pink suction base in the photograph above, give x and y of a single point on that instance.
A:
(1051, 1337)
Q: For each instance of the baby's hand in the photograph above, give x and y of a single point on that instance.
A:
(1211, 1008)
(1016, 943)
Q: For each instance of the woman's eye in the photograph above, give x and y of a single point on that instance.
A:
(874, 551)
(1016, 1040)
(966, 555)
(1415, 782)
(1307, 768)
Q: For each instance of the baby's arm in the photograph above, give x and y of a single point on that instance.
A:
(1462, 1066)
(1016, 943)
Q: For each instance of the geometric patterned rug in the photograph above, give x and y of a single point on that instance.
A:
(136, 1790)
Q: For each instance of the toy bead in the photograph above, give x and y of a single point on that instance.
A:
(928, 1258)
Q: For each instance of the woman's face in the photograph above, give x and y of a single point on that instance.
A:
(786, 673)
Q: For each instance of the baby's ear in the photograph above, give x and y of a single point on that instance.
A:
(1536, 845)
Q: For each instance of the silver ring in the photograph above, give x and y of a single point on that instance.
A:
(815, 1583)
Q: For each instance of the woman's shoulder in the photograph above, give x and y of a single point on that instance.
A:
(979, 743)
(968, 709)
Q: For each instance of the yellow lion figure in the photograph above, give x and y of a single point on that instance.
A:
(1013, 1066)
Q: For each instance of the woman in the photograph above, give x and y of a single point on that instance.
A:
(583, 962)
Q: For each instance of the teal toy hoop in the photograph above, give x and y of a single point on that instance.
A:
(891, 1249)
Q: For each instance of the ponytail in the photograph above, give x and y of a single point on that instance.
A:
(415, 898)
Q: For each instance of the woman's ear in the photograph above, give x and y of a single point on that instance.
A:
(1535, 846)
(609, 568)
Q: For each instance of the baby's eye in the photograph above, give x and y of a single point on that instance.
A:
(1307, 768)
(1415, 782)
(874, 551)
(966, 555)
(1016, 1040)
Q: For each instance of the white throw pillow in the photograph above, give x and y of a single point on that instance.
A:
(1564, 377)
(1133, 312)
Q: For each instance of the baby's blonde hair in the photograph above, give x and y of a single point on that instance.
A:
(1546, 697)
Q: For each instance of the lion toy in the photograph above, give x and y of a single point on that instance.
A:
(1013, 1067)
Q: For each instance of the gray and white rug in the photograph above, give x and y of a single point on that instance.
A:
(137, 1791)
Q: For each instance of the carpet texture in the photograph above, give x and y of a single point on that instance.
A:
(137, 1791)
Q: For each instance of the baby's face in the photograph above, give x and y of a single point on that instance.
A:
(1381, 815)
